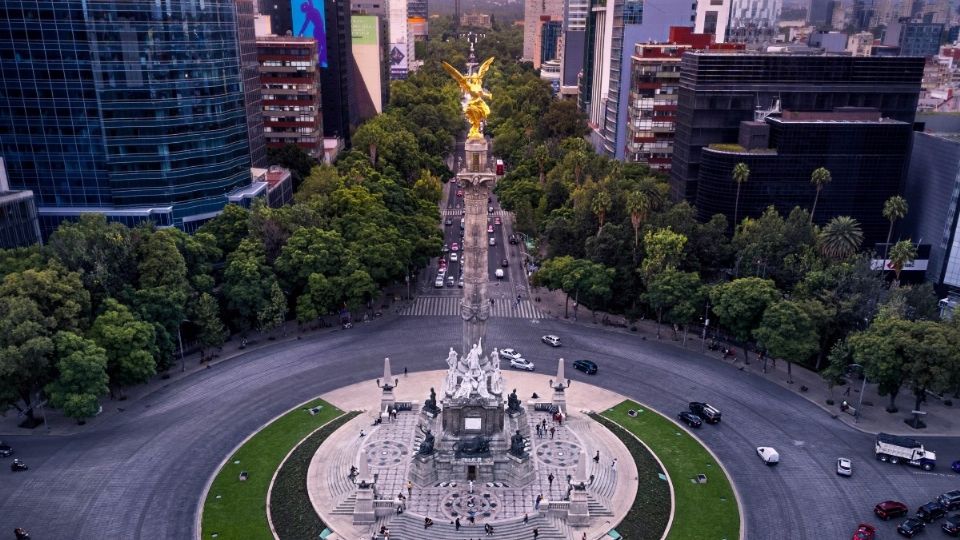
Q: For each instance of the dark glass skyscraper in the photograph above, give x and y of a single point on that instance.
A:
(136, 109)
(718, 91)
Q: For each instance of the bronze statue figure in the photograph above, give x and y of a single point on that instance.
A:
(477, 109)
(517, 445)
(426, 447)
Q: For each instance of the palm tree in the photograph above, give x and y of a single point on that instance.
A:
(578, 160)
(818, 178)
(638, 204)
(841, 238)
(895, 208)
(741, 173)
(540, 155)
(600, 205)
(901, 254)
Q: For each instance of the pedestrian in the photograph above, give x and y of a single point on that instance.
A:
(536, 533)
(596, 458)
(584, 536)
(613, 464)
(456, 524)
(362, 433)
(536, 505)
(404, 371)
(552, 431)
(847, 391)
(538, 431)
(491, 302)
(410, 488)
(526, 518)
(550, 479)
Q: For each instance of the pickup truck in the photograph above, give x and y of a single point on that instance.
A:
(709, 413)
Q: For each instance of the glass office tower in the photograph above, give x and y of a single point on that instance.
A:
(136, 109)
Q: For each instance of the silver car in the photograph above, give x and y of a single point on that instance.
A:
(844, 467)
(521, 363)
(510, 354)
(551, 340)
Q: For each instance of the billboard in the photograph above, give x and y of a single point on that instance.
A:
(398, 52)
(365, 33)
(310, 20)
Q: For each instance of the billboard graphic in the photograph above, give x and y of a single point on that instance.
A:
(310, 20)
(368, 84)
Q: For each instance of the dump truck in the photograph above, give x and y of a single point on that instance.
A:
(896, 449)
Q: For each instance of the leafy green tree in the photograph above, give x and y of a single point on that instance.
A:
(895, 208)
(26, 348)
(389, 143)
(247, 282)
(664, 249)
(674, 295)
(129, 344)
(20, 259)
(841, 238)
(102, 253)
(901, 254)
(312, 251)
(206, 317)
(574, 276)
(561, 120)
(741, 173)
(638, 204)
(358, 288)
(82, 376)
(740, 305)
(273, 312)
(319, 298)
(229, 228)
(786, 331)
(541, 154)
(59, 295)
(600, 205)
(820, 177)
(428, 187)
(164, 288)
(294, 158)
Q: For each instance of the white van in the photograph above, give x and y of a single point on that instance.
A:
(439, 282)
(768, 455)
(499, 273)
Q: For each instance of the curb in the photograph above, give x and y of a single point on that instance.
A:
(198, 514)
(736, 492)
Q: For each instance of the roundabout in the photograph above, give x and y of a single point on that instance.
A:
(142, 472)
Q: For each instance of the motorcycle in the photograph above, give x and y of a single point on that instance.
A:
(347, 325)
(18, 465)
(21, 534)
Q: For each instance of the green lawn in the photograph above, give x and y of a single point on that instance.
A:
(703, 511)
(236, 509)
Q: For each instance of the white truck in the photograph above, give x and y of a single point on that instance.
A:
(896, 449)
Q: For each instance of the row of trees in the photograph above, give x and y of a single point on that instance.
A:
(102, 306)
(612, 239)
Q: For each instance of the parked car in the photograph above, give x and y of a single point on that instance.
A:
(865, 531)
(890, 509)
(5, 449)
(521, 363)
(439, 282)
(951, 525)
(513, 239)
(493, 241)
(496, 221)
(931, 511)
(551, 340)
(705, 411)
(844, 467)
(910, 527)
(453, 257)
(690, 419)
(499, 273)
(448, 222)
(950, 499)
(768, 454)
(460, 283)
(585, 366)
(450, 281)
(509, 354)
(490, 229)
(489, 209)
(454, 247)
(445, 249)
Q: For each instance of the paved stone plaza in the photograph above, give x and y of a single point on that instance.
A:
(390, 448)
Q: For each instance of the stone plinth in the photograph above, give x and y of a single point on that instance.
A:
(363, 512)
(472, 419)
(476, 151)
(579, 513)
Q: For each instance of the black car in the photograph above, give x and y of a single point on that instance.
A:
(504, 263)
(931, 511)
(705, 411)
(5, 450)
(513, 239)
(448, 222)
(585, 366)
(690, 419)
(950, 499)
(910, 527)
(952, 525)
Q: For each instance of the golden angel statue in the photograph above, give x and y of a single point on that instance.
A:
(477, 109)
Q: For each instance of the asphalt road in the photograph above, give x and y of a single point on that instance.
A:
(141, 474)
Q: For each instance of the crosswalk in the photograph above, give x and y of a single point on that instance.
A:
(454, 212)
(449, 306)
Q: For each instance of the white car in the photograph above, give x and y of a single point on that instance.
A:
(551, 340)
(453, 257)
(768, 455)
(844, 467)
(509, 354)
(521, 363)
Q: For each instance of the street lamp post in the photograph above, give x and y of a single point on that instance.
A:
(183, 365)
(863, 387)
(706, 324)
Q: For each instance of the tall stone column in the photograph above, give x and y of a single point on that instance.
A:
(478, 179)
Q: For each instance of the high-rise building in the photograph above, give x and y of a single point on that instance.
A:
(417, 18)
(627, 22)
(917, 38)
(753, 21)
(820, 13)
(418, 8)
(535, 13)
(401, 42)
(865, 153)
(718, 91)
(19, 226)
(863, 15)
(476, 20)
(290, 79)
(575, 14)
(550, 40)
(654, 84)
(713, 17)
(932, 185)
(135, 109)
(368, 73)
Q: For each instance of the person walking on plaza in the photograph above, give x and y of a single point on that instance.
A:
(536, 534)
(550, 479)
(613, 465)
(596, 458)
(526, 518)
(456, 524)
(410, 488)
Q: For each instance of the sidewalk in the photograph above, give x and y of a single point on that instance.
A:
(57, 424)
(940, 419)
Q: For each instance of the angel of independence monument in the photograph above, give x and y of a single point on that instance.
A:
(468, 432)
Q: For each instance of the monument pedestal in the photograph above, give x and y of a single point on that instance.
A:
(579, 513)
(363, 512)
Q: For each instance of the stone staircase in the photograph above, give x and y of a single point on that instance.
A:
(345, 506)
(410, 527)
(596, 507)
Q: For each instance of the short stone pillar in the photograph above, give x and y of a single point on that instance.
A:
(363, 511)
(579, 513)
(559, 398)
